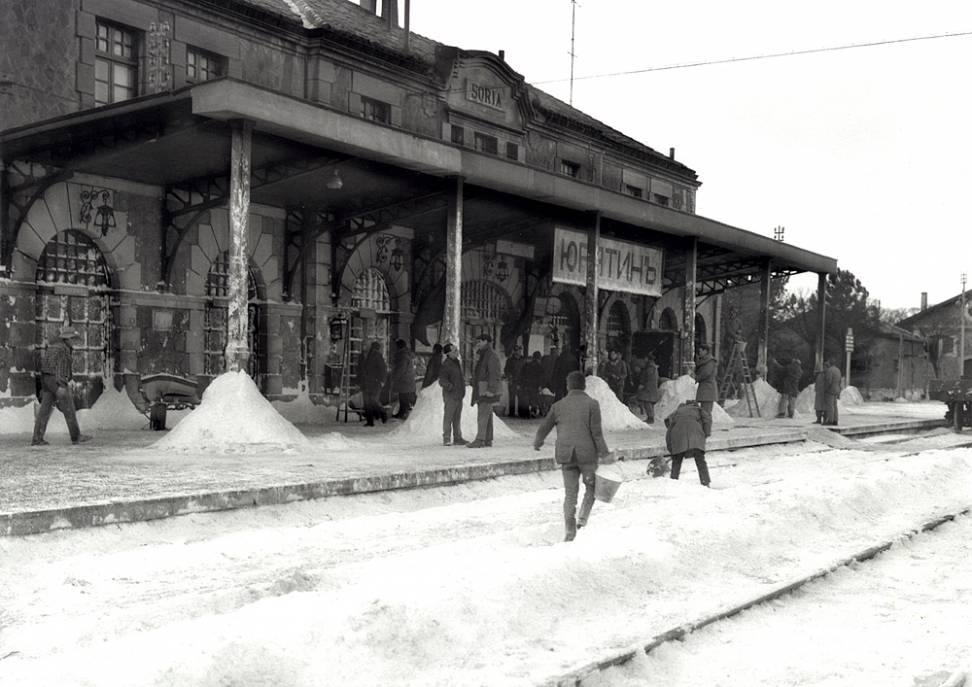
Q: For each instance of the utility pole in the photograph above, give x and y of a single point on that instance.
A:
(573, 14)
(962, 329)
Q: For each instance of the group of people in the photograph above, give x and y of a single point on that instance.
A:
(786, 377)
(375, 381)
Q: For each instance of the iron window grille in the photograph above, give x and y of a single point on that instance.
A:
(512, 151)
(485, 143)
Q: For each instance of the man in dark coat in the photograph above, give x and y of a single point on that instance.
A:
(647, 394)
(403, 379)
(513, 371)
(706, 370)
(485, 391)
(566, 363)
(371, 378)
(433, 367)
(791, 388)
(56, 373)
(580, 444)
(688, 428)
(549, 362)
(453, 391)
(614, 371)
(820, 394)
(531, 377)
(832, 379)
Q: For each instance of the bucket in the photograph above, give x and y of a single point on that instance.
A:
(606, 483)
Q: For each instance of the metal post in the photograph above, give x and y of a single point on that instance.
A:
(590, 294)
(762, 343)
(237, 344)
(962, 329)
(688, 308)
(453, 275)
(848, 349)
(899, 392)
(822, 324)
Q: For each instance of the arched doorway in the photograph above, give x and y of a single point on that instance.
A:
(370, 321)
(216, 316)
(485, 309)
(618, 332)
(72, 289)
(668, 322)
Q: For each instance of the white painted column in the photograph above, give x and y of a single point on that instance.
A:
(237, 344)
(453, 275)
(590, 295)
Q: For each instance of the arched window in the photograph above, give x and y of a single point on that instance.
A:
(73, 281)
(217, 311)
(371, 321)
(667, 322)
(485, 309)
(618, 328)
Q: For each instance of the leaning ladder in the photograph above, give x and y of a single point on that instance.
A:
(738, 367)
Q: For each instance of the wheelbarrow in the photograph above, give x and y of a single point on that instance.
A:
(163, 391)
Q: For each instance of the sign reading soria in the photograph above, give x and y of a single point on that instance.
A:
(625, 266)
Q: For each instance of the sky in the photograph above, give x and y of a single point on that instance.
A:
(861, 154)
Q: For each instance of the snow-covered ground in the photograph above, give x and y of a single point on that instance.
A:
(472, 585)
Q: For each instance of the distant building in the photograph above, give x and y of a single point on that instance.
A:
(895, 366)
(940, 325)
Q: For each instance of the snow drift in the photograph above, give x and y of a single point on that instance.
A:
(676, 391)
(425, 420)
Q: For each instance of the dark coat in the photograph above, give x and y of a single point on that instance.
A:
(791, 379)
(513, 369)
(372, 373)
(820, 391)
(451, 380)
(775, 373)
(531, 376)
(833, 381)
(688, 428)
(432, 370)
(403, 373)
(615, 373)
(486, 379)
(580, 439)
(548, 363)
(705, 374)
(648, 383)
(566, 363)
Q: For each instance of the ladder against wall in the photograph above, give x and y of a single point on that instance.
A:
(738, 378)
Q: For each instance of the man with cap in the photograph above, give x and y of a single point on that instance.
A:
(56, 373)
(513, 371)
(580, 445)
(453, 391)
(485, 390)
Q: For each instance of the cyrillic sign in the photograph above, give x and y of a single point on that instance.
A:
(625, 266)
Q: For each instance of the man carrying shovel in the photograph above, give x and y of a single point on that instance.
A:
(580, 444)
(688, 428)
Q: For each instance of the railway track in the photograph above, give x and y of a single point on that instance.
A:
(580, 676)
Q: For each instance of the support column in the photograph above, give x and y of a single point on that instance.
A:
(308, 300)
(453, 274)
(590, 295)
(763, 326)
(237, 346)
(821, 330)
(687, 348)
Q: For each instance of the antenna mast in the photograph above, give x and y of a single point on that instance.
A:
(573, 12)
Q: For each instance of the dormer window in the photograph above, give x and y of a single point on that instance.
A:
(569, 168)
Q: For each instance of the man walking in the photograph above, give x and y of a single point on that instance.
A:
(56, 373)
(372, 372)
(791, 388)
(485, 391)
(453, 391)
(688, 428)
(580, 444)
(832, 393)
(706, 369)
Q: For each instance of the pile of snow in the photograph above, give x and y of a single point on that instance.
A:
(335, 441)
(767, 397)
(233, 414)
(676, 391)
(850, 396)
(615, 416)
(113, 410)
(425, 420)
(301, 410)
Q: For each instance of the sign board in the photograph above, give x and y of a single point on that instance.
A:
(625, 266)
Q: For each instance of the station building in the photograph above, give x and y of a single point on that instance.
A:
(269, 184)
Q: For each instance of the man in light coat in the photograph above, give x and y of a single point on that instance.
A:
(453, 391)
(688, 428)
(56, 373)
(832, 392)
(706, 370)
(485, 391)
(580, 445)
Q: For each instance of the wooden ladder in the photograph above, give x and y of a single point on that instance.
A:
(738, 368)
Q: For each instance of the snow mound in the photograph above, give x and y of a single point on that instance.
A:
(425, 420)
(806, 400)
(21, 420)
(233, 413)
(301, 410)
(615, 416)
(767, 397)
(113, 410)
(335, 441)
(851, 397)
(676, 391)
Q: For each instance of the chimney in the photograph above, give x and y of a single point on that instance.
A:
(502, 55)
(924, 300)
(671, 153)
(389, 12)
(370, 5)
